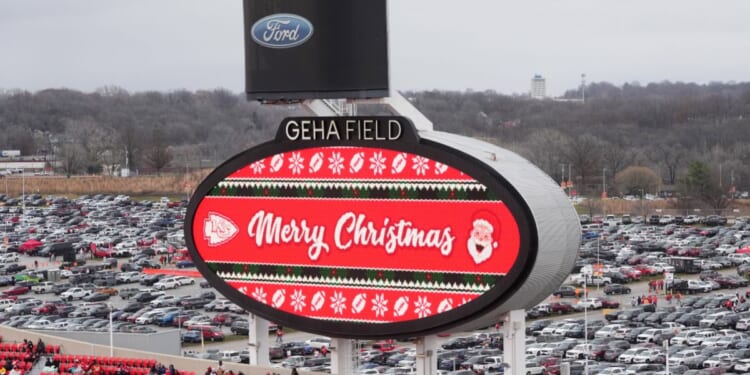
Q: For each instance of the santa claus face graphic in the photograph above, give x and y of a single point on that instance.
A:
(481, 242)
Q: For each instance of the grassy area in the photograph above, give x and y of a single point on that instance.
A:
(175, 186)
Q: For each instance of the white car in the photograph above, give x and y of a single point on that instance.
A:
(127, 277)
(165, 300)
(607, 331)
(629, 355)
(9, 258)
(691, 219)
(612, 371)
(75, 293)
(533, 368)
(319, 342)
(579, 351)
(726, 249)
(648, 356)
(589, 304)
(743, 365)
(167, 283)
(184, 280)
(662, 267)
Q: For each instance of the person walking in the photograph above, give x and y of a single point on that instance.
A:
(279, 335)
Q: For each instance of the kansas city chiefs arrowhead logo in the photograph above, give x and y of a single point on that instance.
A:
(218, 229)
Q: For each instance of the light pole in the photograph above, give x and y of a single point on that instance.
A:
(666, 354)
(23, 195)
(586, 327)
(111, 333)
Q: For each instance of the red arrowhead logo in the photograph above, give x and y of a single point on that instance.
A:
(218, 229)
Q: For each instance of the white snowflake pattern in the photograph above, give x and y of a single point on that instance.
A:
(296, 163)
(379, 305)
(336, 163)
(421, 165)
(377, 163)
(298, 300)
(260, 294)
(422, 307)
(338, 302)
(258, 166)
(243, 290)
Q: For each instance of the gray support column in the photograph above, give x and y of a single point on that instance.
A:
(514, 342)
(426, 355)
(341, 356)
(257, 340)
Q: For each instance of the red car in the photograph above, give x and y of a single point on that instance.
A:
(609, 304)
(16, 290)
(561, 307)
(102, 252)
(645, 269)
(224, 319)
(45, 309)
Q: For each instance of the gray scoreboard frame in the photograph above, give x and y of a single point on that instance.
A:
(554, 231)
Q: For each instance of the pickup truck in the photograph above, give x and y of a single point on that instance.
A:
(43, 287)
(489, 363)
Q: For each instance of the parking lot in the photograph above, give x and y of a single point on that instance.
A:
(655, 294)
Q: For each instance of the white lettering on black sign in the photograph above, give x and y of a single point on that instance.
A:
(349, 129)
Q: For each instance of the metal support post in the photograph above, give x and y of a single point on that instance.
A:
(514, 342)
(426, 358)
(341, 356)
(257, 340)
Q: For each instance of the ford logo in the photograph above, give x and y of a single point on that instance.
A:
(281, 30)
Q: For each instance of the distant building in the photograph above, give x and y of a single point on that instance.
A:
(538, 87)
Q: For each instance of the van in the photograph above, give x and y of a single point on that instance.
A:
(6, 303)
(228, 356)
(743, 324)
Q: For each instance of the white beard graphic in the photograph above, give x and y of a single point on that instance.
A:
(480, 243)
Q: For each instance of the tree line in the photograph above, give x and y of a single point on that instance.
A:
(671, 133)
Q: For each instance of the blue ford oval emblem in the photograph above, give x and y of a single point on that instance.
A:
(281, 30)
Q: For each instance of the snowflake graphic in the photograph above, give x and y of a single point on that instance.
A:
(337, 163)
(338, 302)
(243, 290)
(422, 307)
(421, 165)
(298, 300)
(296, 163)
(377, 163)
(379, 305)
(260, 294)
(257, 167)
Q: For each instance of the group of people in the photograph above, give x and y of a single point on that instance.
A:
(160, 369)
(220, 370)
(644, 300)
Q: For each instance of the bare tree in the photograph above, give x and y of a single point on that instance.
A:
(158, 155)
(634, 180)
(585, 153)
(70, 156)
(671, 157)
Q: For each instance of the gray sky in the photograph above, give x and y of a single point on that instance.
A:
(435, 44)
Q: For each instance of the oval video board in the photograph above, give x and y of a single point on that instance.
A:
(356, 228)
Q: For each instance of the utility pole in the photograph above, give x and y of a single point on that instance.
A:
(583, 87)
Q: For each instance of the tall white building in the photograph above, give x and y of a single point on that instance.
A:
(538, 87)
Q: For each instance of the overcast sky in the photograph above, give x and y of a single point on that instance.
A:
(435, 44)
